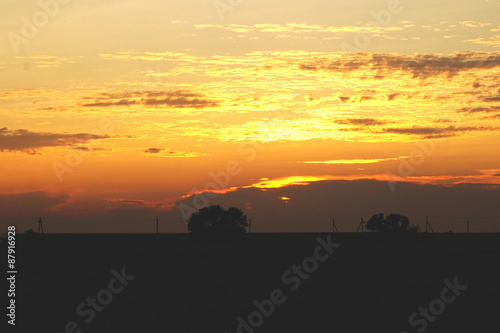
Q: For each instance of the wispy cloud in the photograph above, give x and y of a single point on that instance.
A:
(153, 150)
(490, 99)
(31, 142)
(360, 121)
(173, 99)
(50, 61)
(160, 205)
(490, 41)
(419, 66)
(436, 132)
(300, 28)
(162, 152)
(480, 109)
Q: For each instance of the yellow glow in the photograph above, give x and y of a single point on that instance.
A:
(285, 199)
(287, 181)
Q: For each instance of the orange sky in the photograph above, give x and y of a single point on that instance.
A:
(111, 105)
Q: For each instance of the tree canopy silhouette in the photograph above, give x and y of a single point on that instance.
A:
(217, 221)
(391, 223)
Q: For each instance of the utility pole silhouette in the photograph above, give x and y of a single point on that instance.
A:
(40, 225)
(361, 225)
(467, 225)
(334, 227)
(427, 224)
(157, 227)
(250, 225)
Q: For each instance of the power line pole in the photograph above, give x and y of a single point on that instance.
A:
(427, 224)
(361, 224)
(250, 225)
(334, 227)
(467, 225)
(40, 225)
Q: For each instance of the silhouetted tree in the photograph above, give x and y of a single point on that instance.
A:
(376, 222)
(31, 234)
(218, 222)
(391, 223)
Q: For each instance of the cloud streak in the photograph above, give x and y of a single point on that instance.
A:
(159, 205)
(420, 66)
(173, 99)
(162, 152)
(435, 132)
(487, 109)
(23, 140)
(360, 122)
(299, 28)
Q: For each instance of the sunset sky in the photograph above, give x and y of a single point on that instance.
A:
(114, 112)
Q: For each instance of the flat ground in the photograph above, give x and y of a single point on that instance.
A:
(369, 284)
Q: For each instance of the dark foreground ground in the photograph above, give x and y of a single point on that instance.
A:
(369, 284)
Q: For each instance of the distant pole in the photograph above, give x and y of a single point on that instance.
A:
(334, 227)
(467, 225)
(250, 225)
(361, 226)
(40, 225)
(427, 224)
(157, 226)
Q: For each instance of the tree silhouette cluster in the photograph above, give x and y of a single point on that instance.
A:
(218, 222)
(390, 223)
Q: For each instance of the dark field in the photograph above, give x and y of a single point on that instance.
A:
(369, 284)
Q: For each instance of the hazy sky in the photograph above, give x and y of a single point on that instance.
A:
(109, 107)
